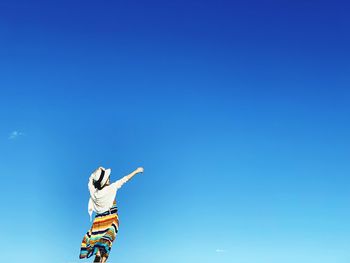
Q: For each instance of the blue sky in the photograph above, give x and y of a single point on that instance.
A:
(238, 111)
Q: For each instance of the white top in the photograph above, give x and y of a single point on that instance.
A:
(102, 200)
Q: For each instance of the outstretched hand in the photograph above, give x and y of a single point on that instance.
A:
(139, 170)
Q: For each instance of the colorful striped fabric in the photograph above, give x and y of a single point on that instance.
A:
(101, 235)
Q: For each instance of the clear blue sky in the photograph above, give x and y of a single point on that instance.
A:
(238, 111)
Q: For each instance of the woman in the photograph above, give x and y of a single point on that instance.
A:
(99, 239)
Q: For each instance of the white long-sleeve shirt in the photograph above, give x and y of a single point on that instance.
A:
(102, 200)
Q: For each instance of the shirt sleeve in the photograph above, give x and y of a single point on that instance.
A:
(118, 184)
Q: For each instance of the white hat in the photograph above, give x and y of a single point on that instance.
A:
(100, 177)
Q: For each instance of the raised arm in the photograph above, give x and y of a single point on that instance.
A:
(126, 178)
(131, 175)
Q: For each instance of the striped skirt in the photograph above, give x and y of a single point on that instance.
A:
(101, 235)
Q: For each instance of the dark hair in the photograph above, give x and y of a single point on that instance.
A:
(97, 183)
